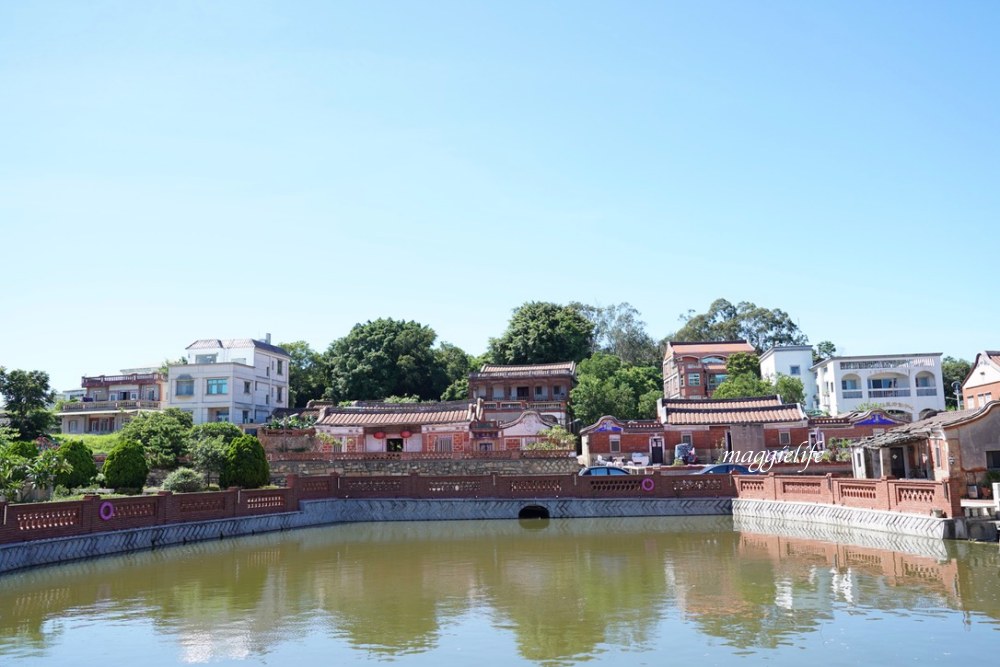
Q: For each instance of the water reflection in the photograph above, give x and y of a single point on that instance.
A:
(554, 592)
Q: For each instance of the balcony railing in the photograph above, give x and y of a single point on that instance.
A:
(523, 405)
(110, 406)
(926, 391)
(853, 393)
(889, 393)
(131, 378)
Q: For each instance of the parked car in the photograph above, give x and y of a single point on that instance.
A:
(603, 470)
(725, 469)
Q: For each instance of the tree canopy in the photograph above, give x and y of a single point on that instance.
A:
(953, 370)
(383, 358)
(609, 386)
(306, 379)
(164, 436)
(761, 327)
(743, 363)
(618, 330)
(27, 395)
(543, 333)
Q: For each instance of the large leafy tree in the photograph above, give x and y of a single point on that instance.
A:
(541, 332)
(761, 327)
(743, 363)
(747, 385)
(609, 386)
(306, 379)
(824, 350)
(618, 330)
(384, 358)
(953, 370)
(164, 436)
(27, 395)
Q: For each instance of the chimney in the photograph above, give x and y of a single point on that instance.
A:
(267, 338)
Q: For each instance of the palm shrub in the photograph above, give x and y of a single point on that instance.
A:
(125, 467)
(184, 480)
(23, 448)
(80, 456)
(246, 464)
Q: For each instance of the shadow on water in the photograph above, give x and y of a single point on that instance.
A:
(561, 590)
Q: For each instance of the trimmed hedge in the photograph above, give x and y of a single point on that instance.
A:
(246, 464)
(78, 455)
(125, 467)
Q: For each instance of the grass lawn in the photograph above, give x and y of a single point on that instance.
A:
(99, 444)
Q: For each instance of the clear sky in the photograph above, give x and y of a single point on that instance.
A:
(175, 171)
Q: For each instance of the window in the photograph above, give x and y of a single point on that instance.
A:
(216, 386)
(486, 446)
(539, 393)
(279, 394)
(443, 444)
(497, 393)
(522, 393)
(849, 385)
(74, 425)
(694, 379)
(686, 439)
(925, 381)
(205, 358)
(881, 383)
(281, 367)
(133, 396)
(184, 388)
(993, 460)
(616, 443)
(558, 391)
(222, 415)
(795, 370)
(246, 386)
(784, 438)
(246, 416)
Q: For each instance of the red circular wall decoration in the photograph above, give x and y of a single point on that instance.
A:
(405, 434)
(379, 435)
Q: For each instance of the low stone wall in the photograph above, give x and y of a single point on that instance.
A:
(785, 512)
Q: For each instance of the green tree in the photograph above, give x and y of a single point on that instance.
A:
(824, 350)
(81, 458)
(541, 333)
(246, 464)
(953, 370)
(306, 373)
(27, 396)
(385, 358)
(208, 456)
(761, 327)
(618, 330)
(45, 468)
(555, 437)
(790, 389)
(224, 430)
(126, 469)
(743, 363)
(165, 436)
(743, 386)
(609, 386)
(23, 448)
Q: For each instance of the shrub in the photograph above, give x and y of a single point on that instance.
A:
(125, 467)
(209, 455)
(227, 431)
(24, 448)
(184, 480)
(81, 458)
(163, 435)
(246, 464)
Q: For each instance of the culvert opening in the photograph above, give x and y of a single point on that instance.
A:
(533, 512)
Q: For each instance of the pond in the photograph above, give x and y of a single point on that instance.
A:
(534, 592)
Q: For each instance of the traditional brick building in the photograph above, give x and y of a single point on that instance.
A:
(399, 427)
(508, 391)
(983, 382)
(694, 370)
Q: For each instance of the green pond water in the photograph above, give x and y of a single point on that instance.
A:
(670, 591)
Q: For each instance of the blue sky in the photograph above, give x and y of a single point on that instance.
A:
(175, 171)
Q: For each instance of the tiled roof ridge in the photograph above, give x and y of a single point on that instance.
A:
(376, 407)
(724, 401)
(746, 408)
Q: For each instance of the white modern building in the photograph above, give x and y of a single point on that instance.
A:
(240, 380)
(907, 386)
(794, 361)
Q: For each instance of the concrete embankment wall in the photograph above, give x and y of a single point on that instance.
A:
(785, 512)
(332, 511)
